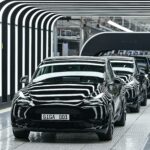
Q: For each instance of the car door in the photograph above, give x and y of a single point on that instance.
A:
(117, 89)
(148, 59)
(142, 64)
(137, 75)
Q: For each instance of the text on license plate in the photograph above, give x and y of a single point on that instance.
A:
(55, 117)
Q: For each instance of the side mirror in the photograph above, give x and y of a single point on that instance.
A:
(146, 71)
(111, 87)
(141, 76)
(149, 75)
(118, 81)
(24, 79)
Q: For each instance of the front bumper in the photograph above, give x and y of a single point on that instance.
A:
(132, 102)
(64, 126)
(82, 119)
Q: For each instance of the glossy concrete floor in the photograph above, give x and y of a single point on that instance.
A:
(134, 136)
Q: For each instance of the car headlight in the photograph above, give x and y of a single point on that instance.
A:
(86, 101)
(21, 99)
(90, 100)
(21, 95)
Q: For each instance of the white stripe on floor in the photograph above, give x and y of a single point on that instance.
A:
(5, 110)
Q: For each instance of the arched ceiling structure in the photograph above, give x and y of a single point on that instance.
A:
(93, 8)
(26, 38)
(108, 41)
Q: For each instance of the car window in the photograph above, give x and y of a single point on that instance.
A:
(110, 71)
(74, 71)
(136, 68)
(149, 63)
(142, 64)
(122, 67)
(69, 68)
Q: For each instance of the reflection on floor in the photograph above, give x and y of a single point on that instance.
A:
(134, 136)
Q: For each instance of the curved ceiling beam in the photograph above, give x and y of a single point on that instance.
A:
(107, 41)
(25, 16)
(16, 43)
(9, 43)
(23, 39)
(30, 33)
(58, 6)
(42, 28)
(52, 33)
(47, 35)
(36, 33)
(4, 6)
(42, 25)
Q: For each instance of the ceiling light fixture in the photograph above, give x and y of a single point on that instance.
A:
(119, 26)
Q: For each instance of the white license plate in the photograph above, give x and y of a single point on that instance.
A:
(55, 117)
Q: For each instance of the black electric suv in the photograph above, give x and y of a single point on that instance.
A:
(135, 81)
(70, 94)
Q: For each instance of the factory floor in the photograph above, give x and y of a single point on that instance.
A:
(134, 136)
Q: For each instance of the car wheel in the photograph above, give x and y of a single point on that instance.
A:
(137, 108)
(122, 120)
(144, 102)
(21, 133)
(109, 134)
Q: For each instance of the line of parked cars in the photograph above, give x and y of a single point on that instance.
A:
(80, 94)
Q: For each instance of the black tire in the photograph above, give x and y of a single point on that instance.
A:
(136, 109)
(144, 102)
(122, 120)
(109, 134)
(21, 133)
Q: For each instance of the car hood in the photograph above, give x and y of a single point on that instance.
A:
(63, 93)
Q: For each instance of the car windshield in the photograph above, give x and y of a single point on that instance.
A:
(70, 73)
(122, 67)
(142, 64)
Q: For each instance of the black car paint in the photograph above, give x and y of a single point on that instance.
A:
(135, 85)
(145, 69)
(25, 113)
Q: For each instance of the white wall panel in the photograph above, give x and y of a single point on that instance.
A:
(0, 60)
(8, 60)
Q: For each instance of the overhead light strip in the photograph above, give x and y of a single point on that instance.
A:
(90, 1)
(119, 26)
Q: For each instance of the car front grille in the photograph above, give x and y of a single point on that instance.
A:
(75, 113)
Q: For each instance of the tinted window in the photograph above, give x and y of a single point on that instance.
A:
(122, 68)
(142, 64)
(70, 72)
(121, 64)
(74, 79)
(69, 68)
